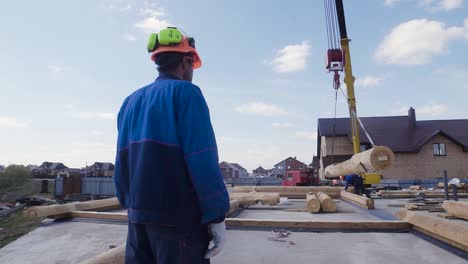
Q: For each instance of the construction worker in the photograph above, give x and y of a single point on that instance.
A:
(357, 181)
(167, 171)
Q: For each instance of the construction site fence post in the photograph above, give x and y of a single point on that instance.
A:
(446, 185)
(455, 192)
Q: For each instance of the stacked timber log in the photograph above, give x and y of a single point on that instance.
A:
(312, 203)
(358, 200)
(462, 185)
(112, 256)
(374, 159)
(328, 205)
(55, 210)
(452, 232)
(292, 192)
(413, 194)
(252, 198)
(457, 209)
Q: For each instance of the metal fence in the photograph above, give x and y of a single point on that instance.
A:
(58, 188)
(98, 186)
(254, 181)
(425, 183)
(90, 185)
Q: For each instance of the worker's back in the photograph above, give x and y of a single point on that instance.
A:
(152, 178)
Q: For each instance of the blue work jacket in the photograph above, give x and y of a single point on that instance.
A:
(353, 179)
(166, 168)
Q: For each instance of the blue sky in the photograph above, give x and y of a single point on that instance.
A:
(66, 66)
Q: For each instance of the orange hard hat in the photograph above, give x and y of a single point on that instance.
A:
(185, 46)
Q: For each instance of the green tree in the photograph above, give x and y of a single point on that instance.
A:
(14, 175)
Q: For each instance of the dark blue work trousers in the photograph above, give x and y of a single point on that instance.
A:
(151, 243)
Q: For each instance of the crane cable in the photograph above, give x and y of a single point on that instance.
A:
(333, 39)
(359, 120)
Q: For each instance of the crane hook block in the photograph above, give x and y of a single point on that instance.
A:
(335, 60)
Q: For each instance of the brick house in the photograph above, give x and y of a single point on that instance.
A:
(228, 170)
(260, 171)
(242, 171)
(423, 149)
(289, 164)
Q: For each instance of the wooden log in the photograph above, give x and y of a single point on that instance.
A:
(312, 203)
(374, 159)
(252, 198)
(293, 192)
(99, 215)
(413, 194)
(328, 204)
(452, 232)
(112, 256)
(440, 185)
(458, 209)
(60, 209)
(357, 199)
(322, 225)
(234, 206)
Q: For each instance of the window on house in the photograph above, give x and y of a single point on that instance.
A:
(289, 167)
(439, 149)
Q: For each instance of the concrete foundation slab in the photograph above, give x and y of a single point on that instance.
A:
(351, 248)
(345, 212)
(64, 242)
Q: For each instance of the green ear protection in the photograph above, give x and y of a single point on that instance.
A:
(169, 36)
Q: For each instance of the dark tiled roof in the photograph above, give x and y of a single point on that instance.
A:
(397, 132)
(239, 167)
(103, 166)
(289, 158)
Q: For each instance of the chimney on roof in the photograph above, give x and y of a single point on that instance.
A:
(412, 118)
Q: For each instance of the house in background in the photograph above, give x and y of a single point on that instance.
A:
(228, 171)
(100, 169)
(48, 170)
(260, 172)
(31, 167)
(242, 171)
(289, 164)
(423, 149)
(67, 172)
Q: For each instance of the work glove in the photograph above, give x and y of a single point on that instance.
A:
(218, 236)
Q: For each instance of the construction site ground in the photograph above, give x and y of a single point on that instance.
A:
(76, 240)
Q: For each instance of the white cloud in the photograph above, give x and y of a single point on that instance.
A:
(438, 5)
(281, 125)
(13, 122)
(291, 58)
(89, 114)
(429, 110)
(390, 2)
(93, 115)
(54, 68)
(97, 133)
(307, 135)
(432, 110)
(260, 108)
(368, 81)
(415, 42)
(129, 37)
(154, 19)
